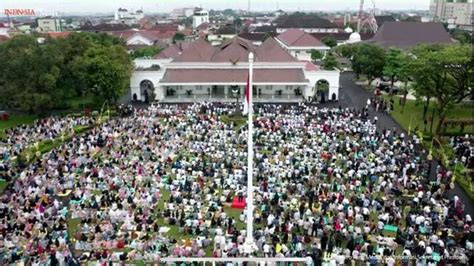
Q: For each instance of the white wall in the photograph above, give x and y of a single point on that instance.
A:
(139, 40)
(199, 18)
(330, 76)
(153, 76)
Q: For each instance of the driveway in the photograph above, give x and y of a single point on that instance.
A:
(353, 95)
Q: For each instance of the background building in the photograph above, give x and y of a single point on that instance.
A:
(454, 12)
(181, 13)
(50, 24)
(122, 15)
(199, 71)
(199, 17)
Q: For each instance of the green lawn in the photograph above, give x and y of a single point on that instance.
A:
(412, 116)
(14, 121)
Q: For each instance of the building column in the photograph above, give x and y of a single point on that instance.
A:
(160, 93)
(226, 89)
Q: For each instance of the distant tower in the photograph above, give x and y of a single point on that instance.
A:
(248, 7)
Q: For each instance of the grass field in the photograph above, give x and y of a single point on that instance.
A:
(412, 116)
(14, 121)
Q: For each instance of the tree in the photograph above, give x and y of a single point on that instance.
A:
(149, 51)
(330, 62)
(316, 55)
(106, 71)
(29, 76)
(238, 23)
(369, 60)
(393, 66)
(421, 73)
(344, 50)
(445, 73)
(329, 41)
(463, 37)
(178, 36)
(39, 77)
(404, 75)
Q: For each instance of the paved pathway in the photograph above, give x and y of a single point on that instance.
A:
(353, 95)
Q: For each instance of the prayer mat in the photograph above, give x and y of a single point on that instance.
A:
(236, 204)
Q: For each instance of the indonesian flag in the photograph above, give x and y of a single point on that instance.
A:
(247, 97)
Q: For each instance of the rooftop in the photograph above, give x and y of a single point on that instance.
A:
(382, 19)
(297, 37)
(404, 35)
(173, 51)
(301, 20)
(234, 50)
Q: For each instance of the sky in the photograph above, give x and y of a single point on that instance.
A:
(159, 6)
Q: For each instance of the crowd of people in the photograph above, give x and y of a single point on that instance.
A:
(329, 184)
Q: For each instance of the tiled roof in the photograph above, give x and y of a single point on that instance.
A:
(173, 51)
(254, 36)
(198, 51)
(405, 35)
(299, 20)
(382, 19)
(297, 37)
(227, 30)
(232, 75)
(271, 51)
(310, 66)
(234, 50)
(265, 29)
(340, 36)
(105, 27)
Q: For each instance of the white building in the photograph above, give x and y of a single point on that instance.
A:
(454, 12)
(200, 71)
(300, 44)
(122, 15)
(50, 24)
(181, 13)
(199, 17)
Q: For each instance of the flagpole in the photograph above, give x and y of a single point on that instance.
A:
(250, 240)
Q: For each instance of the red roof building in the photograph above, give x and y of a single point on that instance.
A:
(197, 71)
(300, 44)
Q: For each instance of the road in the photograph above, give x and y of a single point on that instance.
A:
(353, 95)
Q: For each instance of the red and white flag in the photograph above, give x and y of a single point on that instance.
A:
(247, 97)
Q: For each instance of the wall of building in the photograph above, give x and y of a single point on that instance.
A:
(139, 40)
(139, 76)
(199, 18)
(456, 12)
(332, 77)
(49, 24)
